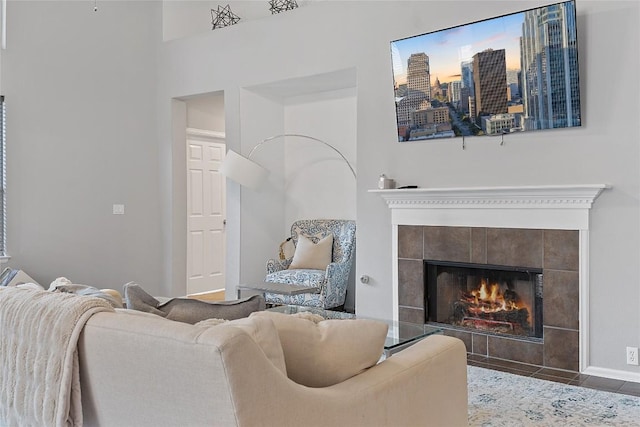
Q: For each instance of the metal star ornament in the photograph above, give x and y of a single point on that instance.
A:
(223, 17)
(277, 6)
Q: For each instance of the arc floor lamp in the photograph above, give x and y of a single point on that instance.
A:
(250, 174)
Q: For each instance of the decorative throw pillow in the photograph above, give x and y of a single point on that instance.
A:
(191, 310)
(117, 295)
(62, 284)
(261, 330)
(328, 352)
(311, 255)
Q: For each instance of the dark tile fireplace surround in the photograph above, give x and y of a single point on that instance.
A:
(556, 252)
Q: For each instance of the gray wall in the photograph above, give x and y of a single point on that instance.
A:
(82, 135)
(206, 112)
(604, 150)
(91, 126)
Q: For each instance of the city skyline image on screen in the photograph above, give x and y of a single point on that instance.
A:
(513, 73)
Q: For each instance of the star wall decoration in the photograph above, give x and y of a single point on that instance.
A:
(223, 17)
(277, 6)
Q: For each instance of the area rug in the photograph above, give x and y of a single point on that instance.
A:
(498, 399)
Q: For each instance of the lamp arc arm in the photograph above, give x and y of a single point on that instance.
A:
(271, 138)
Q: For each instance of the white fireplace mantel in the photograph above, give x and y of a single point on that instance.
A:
(534, 207)
(546, 206)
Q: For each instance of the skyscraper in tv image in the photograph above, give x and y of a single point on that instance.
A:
(492, 93)
(417, 117)
(490, 82)
(549, 61)
(418, 92)
(466, 91)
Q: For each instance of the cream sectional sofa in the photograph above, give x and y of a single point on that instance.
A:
(137, 369)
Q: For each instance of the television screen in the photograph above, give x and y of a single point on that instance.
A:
(513, 73)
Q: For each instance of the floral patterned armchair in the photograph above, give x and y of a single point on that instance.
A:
(332, 281)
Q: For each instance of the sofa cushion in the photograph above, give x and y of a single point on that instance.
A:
(314, 256)
(189, 310)
(261, 330)
(311, 278)
(330, 351)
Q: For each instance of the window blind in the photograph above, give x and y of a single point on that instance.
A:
(3, 178)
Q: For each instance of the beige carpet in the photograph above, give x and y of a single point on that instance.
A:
(498, 399)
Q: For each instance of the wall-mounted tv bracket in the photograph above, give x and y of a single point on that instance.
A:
(464, 146)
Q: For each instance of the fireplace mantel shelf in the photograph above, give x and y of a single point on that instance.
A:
(543, 206)
(532, 197)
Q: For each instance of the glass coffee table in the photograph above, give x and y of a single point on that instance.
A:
(400, 335)
(278, 288)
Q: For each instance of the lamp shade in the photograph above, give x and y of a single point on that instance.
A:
(243, 171)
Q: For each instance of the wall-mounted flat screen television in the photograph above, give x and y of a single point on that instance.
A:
(513, 73)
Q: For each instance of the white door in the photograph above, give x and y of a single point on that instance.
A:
(205, 211)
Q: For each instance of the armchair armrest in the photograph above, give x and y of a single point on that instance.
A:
(337, 275)
(274, 265)
(338, 270)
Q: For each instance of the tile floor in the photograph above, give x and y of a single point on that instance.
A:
(565, 377)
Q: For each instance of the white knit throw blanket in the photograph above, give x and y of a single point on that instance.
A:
(39, 368)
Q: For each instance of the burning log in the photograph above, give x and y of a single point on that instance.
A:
(489, 309)
(487, 325)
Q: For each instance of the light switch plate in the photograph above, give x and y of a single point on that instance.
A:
(118, 209)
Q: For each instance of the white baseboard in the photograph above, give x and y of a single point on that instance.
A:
(613, 374)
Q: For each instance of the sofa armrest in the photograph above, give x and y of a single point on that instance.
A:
(425, 384)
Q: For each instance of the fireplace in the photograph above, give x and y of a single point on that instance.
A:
(544, 226)
(494, 299)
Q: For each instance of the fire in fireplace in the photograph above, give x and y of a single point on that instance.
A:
(488, 298)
